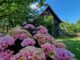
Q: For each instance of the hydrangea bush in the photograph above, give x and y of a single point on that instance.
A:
(21, 43)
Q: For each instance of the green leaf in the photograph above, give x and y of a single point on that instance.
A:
(51, 54)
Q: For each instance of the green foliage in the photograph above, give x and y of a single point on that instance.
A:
(70, 29)
(78, 21)
(15, 11)
(67, 27)
(49, 23)
(46, 21)
(77, 26)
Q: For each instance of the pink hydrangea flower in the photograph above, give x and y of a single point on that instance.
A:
(29, 26)
(43, 38)
(13, 58)
(40, 38)
(6, 41)
(1, 44)
(25, 53)
(19, 33)
(42, 29)
(39, 54)
(31, 53)
(9, 40)
(49, 37)
(21, 36)
(27, 42)
(48, 47)
(5, 54)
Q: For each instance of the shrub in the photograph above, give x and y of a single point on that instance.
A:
(46, 21)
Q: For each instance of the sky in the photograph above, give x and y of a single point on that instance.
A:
(67, 10)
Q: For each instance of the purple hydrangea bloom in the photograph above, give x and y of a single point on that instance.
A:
(29, 26)
(63, 54)
(31, 53)
(5, 54)
(2, 47)
(5, 41)
(8, 40)
(48, 47)
(27, 42)
(42, 29)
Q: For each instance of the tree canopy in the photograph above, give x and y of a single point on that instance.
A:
(15, 11)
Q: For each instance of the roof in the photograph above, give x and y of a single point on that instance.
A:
(53, 13)
(46, 8)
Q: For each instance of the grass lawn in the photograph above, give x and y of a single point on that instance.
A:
(72, 44)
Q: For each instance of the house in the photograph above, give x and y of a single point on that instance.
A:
(57, 20)
(47, 10)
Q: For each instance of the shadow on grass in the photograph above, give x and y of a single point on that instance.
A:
(73, 46)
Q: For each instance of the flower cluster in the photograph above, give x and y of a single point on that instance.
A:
(6, 54)
(29, 26)
(28, 42)
(57, 53)
(20, 44)
(63, 54)
(19, 33)
(6, 41)
(30, 53)
(47, 47)
(42, 29)
(43, 38)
